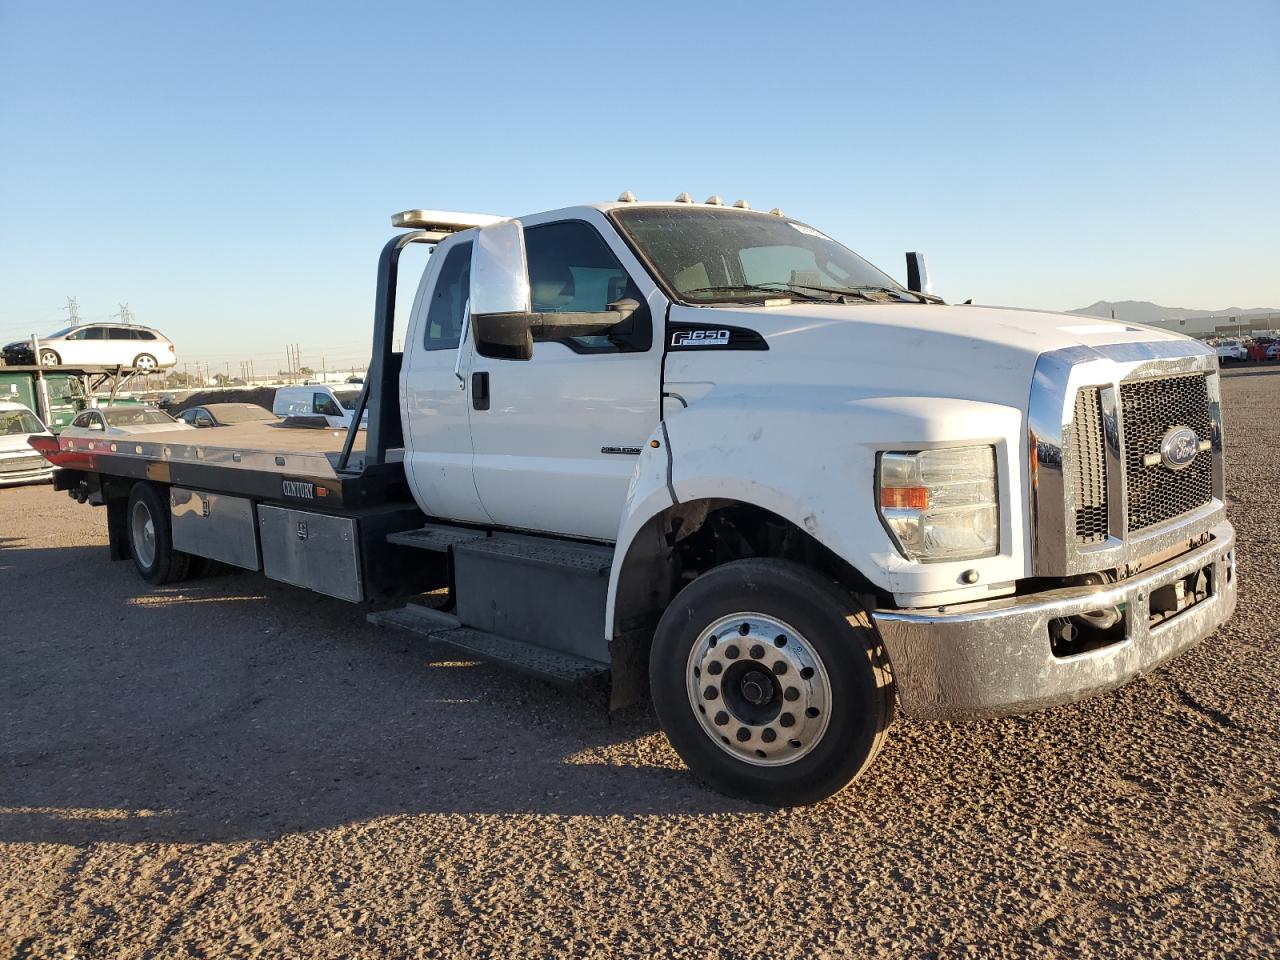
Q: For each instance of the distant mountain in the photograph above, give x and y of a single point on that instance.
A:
(1142, 311)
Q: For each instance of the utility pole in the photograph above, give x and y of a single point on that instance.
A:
(73, 311)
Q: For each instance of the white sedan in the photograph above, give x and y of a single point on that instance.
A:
(19, 463)
(98, 344)
(123, 420)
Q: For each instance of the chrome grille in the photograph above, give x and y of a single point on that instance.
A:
(1089, 467)
(21, 464)
(1148, 409)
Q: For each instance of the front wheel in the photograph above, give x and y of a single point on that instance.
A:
(771, 682)
(49, 359)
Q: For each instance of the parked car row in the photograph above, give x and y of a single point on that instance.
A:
(1242, 351)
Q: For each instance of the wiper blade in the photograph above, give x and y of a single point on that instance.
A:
(901, 291)
(755, 288)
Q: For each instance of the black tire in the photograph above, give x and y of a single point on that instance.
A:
(826, 618)
(154, 557)
(45, 362)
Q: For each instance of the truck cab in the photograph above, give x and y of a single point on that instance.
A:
(1015, 509)
(59, 396)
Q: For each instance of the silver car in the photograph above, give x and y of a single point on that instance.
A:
(99, 345)
(122, 421)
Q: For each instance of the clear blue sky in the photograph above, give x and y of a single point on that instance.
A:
(229, 168)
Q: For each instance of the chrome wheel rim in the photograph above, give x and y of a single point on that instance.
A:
(145, 363)
(48, 359)
(143, 529)
(759, 689)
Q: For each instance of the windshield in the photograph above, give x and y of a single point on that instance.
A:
(717, 255)
(18, 422)
(133, 416)
(347, 398)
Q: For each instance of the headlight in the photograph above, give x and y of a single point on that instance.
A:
(941, 504)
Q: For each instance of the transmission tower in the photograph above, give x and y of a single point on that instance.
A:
(73, 311)
(124, 314)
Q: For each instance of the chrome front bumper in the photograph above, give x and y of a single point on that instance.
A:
(994, 657)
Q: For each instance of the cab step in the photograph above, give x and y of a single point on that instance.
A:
(435, 536)
(556, 666)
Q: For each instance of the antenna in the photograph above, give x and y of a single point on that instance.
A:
(73, 311)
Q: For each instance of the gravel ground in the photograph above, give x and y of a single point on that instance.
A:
(232, 767)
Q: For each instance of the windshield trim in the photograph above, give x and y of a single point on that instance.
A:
(618, 223)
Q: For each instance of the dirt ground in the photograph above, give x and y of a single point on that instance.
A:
(232, 767)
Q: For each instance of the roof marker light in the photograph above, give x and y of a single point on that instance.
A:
(684, 197)
(777, 212)
(714, 200)
(441, 221)
(626, 196)
(742, 205)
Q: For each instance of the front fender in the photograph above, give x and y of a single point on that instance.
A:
(808, 454)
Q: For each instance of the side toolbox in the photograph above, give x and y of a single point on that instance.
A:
(215, 526)
(318, 551)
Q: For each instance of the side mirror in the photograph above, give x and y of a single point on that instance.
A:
(500, 307)
(918, 274)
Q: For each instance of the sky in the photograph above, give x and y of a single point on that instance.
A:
(229, 169)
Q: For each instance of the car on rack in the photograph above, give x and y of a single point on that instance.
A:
(122, 421)
(226, 414)
(97, 344)
(18, 462)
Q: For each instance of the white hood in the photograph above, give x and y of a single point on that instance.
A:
(962, 352)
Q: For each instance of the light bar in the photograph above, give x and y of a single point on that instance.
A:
(441, 221)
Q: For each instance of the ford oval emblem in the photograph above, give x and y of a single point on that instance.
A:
(1179, 447)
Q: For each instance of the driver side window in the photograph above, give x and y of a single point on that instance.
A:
(571, 270)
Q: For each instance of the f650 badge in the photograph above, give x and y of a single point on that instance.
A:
(700, 338)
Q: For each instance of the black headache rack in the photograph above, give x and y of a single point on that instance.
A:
(321, 469)
(315, 508)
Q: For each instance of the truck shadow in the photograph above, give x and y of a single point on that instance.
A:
(234, 708)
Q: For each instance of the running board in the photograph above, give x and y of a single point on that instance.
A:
(435, 536)
(563, 669)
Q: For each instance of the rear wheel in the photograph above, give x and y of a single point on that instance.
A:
(770, 682)
(151, 537)
(144, 363)
(48, 358)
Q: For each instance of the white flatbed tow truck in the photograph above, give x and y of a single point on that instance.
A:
(712, 452)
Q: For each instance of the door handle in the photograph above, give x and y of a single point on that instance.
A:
(480, 390)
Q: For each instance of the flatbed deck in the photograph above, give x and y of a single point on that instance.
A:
(268, 460)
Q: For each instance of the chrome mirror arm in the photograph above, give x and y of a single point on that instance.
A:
(462, 343)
